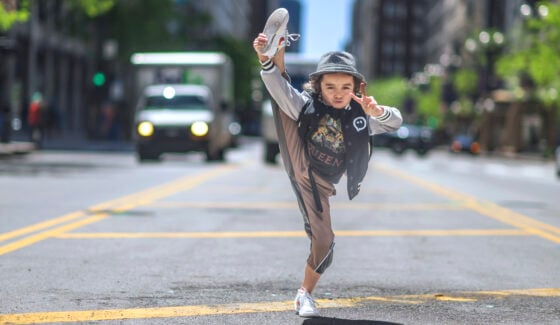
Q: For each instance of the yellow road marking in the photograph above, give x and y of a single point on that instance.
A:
(41, 225)
(103, 207)
(539, 292)
(97, 212)
(256, 234)
(486, 208)
(458, 299)
(293, 205)
(30, 240)
(285, 234)
(450, 232)
(260, 307)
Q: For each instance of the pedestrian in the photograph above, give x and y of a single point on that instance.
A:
(324, 132)
(35, 118)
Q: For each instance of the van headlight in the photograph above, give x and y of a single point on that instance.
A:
(145, 129)
(199, 129)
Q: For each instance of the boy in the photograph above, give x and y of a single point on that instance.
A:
(324, 132)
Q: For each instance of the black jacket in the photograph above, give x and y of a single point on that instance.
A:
(356, 140)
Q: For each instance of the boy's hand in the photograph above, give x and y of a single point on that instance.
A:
(259, 42)
(369, 104)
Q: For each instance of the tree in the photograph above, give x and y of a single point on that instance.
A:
(93, 8)
(533, 63)
(389, 91)
(12, 11)
(532, 67)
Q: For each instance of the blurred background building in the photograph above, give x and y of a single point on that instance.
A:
(420, 39)
(75, 59)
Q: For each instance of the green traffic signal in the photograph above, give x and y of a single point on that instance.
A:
(99, 79)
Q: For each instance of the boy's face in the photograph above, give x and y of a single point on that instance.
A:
(336, 89)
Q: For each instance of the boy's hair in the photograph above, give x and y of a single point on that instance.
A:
(314, 85)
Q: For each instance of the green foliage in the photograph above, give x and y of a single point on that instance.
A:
(534, 54)
(93, 8)
(395, 91)
(464, 107)
(9, 18)
(428, 101)
(465, 81)
(390, 91)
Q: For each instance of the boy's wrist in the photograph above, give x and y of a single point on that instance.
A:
(263, 58)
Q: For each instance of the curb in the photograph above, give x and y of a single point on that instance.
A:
(16, 148)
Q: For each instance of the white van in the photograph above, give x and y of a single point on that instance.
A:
(179, 118)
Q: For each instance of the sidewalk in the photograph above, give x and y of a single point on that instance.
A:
(80, 143)
(16, 148)
(21, 145)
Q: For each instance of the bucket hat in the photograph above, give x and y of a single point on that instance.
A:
(337, 62)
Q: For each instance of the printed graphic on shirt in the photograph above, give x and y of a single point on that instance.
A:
(329, 135)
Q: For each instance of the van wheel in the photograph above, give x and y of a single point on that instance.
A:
(144, 156)
(422, 151)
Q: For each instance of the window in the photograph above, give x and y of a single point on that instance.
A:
(177, 102)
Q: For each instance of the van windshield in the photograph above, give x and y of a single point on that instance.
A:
(176, 102)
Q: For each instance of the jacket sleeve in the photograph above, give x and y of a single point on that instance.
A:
(390, 121)
(289, 99)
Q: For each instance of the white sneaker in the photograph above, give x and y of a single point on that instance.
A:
(277, 32)
(304, 304)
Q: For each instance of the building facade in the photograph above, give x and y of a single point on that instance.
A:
(388, 36)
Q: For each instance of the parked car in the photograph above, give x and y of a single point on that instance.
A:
(558, 161)
(465, 143)
(180, 118)
(407, 137)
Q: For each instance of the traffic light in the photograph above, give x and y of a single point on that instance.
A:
(99, 79)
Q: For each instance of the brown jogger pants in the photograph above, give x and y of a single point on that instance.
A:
(317, 223)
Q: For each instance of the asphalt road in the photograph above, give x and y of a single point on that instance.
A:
(94, 237)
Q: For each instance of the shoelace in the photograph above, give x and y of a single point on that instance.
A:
(309, 299)
(291, 37)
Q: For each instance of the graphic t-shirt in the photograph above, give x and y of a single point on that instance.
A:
(325, 146)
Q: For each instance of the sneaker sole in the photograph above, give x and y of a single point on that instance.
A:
(308, 315)
(275, 21)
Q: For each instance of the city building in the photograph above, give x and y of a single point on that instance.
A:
(388, 36)
(47, 61)
(229, 18)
